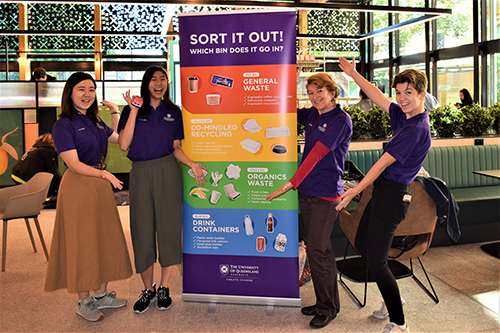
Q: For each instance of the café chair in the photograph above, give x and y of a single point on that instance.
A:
(420, 220)
(24, 201)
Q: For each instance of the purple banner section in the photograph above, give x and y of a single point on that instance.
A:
(233, 39)
(240, 275)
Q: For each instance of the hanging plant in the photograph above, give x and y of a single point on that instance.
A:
(359, 122)
(445, 120)
(495, 113)
(379, 124)
(477, 120)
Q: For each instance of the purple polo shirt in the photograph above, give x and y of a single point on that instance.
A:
(409, 145)
(88, 138)
(153, 136)
(334, 130)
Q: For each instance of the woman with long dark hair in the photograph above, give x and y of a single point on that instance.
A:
(88, 246)
(465, 99)
(152, 134)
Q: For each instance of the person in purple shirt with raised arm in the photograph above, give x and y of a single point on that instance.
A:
(391, 176)
(328, 134)
(88, 246)
(152, 132)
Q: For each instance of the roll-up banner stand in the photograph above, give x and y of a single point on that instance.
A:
(238, 83)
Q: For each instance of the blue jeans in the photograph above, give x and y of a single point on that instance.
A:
(380, 219)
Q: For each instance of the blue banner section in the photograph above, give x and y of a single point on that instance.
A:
(242, 231)
(240, 275)
(238, 38)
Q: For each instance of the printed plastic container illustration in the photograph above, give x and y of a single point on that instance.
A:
(275, 132)
(280, 242)
(279, 149)
(250, 145)
(191, 173)
(213, 99)
(248, 225)
(251, 126)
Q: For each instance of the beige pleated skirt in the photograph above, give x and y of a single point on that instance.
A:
(88, 246)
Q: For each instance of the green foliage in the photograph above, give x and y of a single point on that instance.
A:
(379, 124)
(476, 120)
(446, 120)
(300, 129)
(495, 113)
(359, 122)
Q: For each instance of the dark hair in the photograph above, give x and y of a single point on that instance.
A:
(467, 96)
(67, 108)
(323, 80)
(362, 94)
(38, 73)
(413, 77)
(145, 109)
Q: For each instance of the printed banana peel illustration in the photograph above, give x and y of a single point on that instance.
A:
(5, 149)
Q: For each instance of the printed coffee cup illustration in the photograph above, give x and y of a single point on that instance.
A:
(214, 198)
(193, 84)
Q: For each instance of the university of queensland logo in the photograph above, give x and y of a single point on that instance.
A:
(224, 269)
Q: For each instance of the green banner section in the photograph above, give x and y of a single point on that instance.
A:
(242, 185)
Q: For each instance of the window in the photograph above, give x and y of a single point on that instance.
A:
(453, 76)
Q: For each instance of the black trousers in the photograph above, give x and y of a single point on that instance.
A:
(318, 216)
(380, 219)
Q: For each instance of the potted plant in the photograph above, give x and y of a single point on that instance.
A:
(476, 120)
(445, 120)
(495, 113)
(359, 122)
(379, 124)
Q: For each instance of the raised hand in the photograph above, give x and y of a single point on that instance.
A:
(348, 67)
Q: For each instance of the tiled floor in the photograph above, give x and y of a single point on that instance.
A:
(466, 279)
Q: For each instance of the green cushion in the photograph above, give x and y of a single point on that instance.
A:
(476, 193)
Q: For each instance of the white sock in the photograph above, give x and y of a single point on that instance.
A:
(403, 327)
(101, 295)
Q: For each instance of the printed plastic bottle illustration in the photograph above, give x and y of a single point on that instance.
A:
(248, 225)
(270, 223)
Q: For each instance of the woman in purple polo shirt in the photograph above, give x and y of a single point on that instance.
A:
(391, 176)
(328, 134)
(152, 134)
(88, 247)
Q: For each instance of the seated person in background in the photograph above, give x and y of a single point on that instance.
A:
(465, 99)
(365, 103)
(430, 102)
(42, 157)
(39, 74)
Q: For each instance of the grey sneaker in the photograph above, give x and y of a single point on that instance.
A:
(88, 309)
(109, 301)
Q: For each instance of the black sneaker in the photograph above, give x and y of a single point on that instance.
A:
(163, 300)
(147, 296)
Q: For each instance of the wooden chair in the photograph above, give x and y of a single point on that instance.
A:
(420, 220)
(24, 201)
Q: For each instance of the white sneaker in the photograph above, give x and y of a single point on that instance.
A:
(393, 328)
(383, 313)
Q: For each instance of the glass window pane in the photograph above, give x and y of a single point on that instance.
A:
(17, 95)
(493, 19)
(381, 42)
(455, 29)
(381, 77)
(453, 76)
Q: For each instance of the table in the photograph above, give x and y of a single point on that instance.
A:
(488, 173)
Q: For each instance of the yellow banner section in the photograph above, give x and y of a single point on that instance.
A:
(240, 137)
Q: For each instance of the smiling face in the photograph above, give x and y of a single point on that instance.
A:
(83, 95)
(321, 98)
(408, 98)
(157, 87)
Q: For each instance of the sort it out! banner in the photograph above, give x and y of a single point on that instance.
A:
(238, 84)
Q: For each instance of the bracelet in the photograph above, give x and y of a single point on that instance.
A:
(115, 112)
